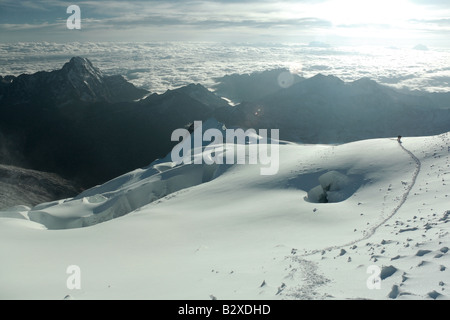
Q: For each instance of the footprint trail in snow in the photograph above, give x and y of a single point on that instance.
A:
(372, 231)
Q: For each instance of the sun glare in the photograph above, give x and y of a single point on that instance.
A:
(369, 19)
(363, 12)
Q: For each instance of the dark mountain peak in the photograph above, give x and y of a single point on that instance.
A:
(252, 87)
(368, 86)
(81, 73)
(203, 95)
(79, 60)
(77, 81)
(81, 65)
(320, 84)
(325, 79)
(366, 81)
(192, 92)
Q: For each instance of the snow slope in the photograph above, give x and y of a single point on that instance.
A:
(227, 232)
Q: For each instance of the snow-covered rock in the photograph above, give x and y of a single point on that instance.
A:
(334, 187)
(333, 181)
(318, 195)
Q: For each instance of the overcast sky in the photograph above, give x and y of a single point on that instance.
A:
(378, 22)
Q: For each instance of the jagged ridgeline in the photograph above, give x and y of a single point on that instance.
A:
(90, 127)
(325, 109)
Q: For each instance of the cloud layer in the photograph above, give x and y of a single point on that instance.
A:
(161, 66)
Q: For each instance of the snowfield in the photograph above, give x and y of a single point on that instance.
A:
(334, 218)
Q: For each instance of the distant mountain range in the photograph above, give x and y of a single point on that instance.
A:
(252, 87)
(89, 128)
(325, 109)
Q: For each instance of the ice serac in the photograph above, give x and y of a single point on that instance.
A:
(127, 193)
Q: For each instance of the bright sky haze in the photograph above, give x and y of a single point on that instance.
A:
(337, 22)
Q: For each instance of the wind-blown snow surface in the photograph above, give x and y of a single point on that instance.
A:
(227, 232)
